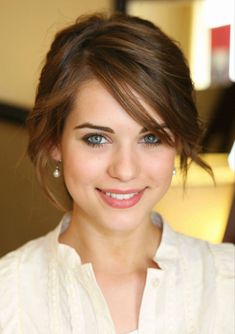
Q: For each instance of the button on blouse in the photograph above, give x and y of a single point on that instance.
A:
(45, 288)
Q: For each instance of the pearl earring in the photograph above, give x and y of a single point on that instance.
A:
(174, 171)
(57, 171)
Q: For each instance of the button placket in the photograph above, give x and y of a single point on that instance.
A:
(104, 321)
(155, 282)
(148, 315)
(77, 318)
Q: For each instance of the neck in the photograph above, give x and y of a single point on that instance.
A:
(114, 252)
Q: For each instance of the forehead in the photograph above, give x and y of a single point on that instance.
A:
(93, 100)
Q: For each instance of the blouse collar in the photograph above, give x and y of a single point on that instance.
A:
(166, 254)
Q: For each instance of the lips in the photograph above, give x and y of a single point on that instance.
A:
(121, 199)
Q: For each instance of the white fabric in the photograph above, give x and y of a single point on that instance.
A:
(45, 289)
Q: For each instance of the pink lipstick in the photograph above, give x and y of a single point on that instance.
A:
(121, 199)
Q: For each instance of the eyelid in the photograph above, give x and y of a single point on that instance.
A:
(155, 142)
(88, 135)
(160, 136)
(150, 134)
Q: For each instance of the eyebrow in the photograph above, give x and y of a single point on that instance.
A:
(93, 126)
(107, 129)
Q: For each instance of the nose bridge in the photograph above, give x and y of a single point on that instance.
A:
(124, 164)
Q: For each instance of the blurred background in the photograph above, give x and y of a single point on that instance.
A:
(205, 31)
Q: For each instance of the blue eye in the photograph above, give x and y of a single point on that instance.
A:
(95, 140)
(151, 139)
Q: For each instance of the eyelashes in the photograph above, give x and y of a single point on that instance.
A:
(95, 140)
(150, 139)
(98, 140)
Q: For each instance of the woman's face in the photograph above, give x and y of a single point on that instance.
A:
(115, 170)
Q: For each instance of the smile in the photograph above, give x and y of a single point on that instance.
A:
(121, 199)
(121, 196)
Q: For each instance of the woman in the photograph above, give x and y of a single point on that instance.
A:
(113, 108)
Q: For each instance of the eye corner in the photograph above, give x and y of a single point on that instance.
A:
(151, 139)
(95, 139)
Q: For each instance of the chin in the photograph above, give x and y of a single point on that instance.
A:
(124, 221)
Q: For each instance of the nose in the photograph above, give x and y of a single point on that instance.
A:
(124, 165)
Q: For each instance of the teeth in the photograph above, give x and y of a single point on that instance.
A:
(121, 196)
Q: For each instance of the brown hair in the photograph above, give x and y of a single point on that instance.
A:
(125, 54)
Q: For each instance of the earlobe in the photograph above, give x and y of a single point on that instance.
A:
(56, 153)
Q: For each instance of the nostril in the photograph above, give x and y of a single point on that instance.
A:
(123, 167)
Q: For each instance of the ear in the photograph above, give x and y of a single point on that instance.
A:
(55, 153)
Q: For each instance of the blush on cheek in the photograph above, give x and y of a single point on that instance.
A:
(161, 174)
(84, 171)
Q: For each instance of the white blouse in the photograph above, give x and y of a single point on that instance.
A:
(45, 289)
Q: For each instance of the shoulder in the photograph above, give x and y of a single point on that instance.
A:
(212, 267)
(20, 271)
(208, 272)
(219, 256)
(25, 256)
(224, 257)
(193, 255)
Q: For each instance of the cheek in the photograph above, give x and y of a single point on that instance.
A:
(80, 169)
(160, 168)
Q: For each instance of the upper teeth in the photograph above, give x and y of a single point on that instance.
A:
(120, 196)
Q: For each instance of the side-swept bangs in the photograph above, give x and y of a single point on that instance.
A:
(137, 63)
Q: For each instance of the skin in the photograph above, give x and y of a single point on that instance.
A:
(119, 242)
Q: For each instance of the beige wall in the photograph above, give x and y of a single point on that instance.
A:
(174, 18)
(26, 30)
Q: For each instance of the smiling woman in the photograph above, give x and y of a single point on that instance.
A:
(113, 108)
(119, 165)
